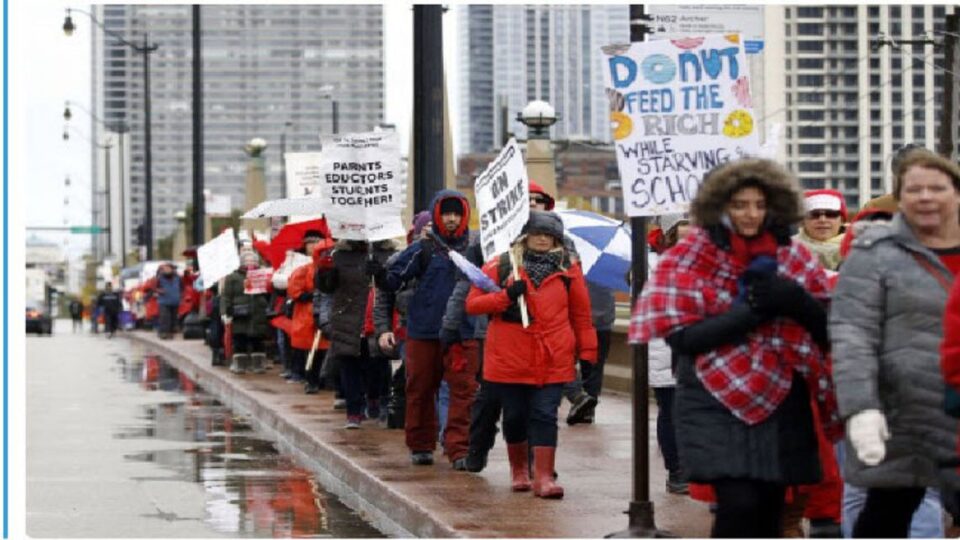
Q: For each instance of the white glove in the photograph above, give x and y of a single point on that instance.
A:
(867, 430)
(226, 319)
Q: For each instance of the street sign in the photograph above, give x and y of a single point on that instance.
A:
(686, 20)
(90, 229)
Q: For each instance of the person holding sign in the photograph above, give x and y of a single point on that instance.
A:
(742, 307)
(345, 276)
(433, 355)
(248, 313)
(526, 368)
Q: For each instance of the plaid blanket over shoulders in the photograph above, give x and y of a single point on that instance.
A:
(696, 280)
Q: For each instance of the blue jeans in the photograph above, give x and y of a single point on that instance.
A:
(927, 520)
(530, 412)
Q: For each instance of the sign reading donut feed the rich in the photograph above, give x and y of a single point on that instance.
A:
(678, 108)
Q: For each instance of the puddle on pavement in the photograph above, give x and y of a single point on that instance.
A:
(251, 489)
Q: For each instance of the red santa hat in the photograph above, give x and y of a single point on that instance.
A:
(825, 199)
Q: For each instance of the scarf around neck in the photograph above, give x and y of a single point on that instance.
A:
(541, 265)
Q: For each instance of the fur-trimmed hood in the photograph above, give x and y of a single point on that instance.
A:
(780, 186)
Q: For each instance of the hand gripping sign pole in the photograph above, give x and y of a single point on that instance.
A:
(524, 317)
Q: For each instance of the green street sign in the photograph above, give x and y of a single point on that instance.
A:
(92, 229)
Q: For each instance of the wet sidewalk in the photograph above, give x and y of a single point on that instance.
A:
(370, 470)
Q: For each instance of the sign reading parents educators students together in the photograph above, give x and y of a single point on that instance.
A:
(679, 108)
(218, 258)
(362, 187)
(503, 200)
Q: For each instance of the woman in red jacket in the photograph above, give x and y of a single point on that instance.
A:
(527, 367)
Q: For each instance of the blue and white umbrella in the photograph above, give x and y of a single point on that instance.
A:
(603, 245)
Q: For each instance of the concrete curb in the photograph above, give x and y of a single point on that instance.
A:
(389, 511)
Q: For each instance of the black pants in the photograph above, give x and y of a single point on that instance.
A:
(888, 512)
(360, 380)
(530, 412)
(484, 414)
(111, 322)
(313, 374)
(592, 374)
(168, 319)
(748, 509)
(77, 324)
(246, 344)
(666, 432)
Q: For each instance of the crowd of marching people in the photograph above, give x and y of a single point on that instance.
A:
(805, 362)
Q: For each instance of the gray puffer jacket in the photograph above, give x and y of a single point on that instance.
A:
(886, 326)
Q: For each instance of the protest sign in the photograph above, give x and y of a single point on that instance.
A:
(218, 258)
(257, 280)
(303, 173)
(216, 204)
(679, 108)
(361, 186)
(503, 200)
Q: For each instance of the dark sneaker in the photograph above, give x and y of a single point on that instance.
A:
(422, 458)
(824, 528)
(459, 464)
(353, 422)
(373, 409)
(582, 407)
(676, 484)
(311, 389)
(339, 404)
(475, 461)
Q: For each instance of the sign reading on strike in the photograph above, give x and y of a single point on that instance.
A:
(218, 258)
(257, 280)
(362, 186)
(503, 200)
(679, 108)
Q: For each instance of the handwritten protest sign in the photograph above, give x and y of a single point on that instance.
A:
(257, 280)
(218, 258)
(361, 186)
(503, 200)
(679, 108)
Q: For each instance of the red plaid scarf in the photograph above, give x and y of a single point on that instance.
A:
(696, 280)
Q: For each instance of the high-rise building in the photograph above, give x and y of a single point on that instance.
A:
(513, 54)
(267, 70)
(850, 103)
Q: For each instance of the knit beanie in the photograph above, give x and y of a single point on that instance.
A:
(544, 222)
(825, 199)
(451, 205)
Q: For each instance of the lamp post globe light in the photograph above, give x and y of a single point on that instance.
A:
(538, 116)
(144, 49)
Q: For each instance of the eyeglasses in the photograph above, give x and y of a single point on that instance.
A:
(817, 214)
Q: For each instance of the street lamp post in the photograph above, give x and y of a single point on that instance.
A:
(283, 159)
(145, 49)
(327, 92)
(96, 193)
(538, 116)
(120, 129)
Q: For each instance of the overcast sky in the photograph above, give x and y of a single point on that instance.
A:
(48, 68)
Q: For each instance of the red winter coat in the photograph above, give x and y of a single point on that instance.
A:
(189, 297)
(950, 347)
(561, 330)
(302, 328)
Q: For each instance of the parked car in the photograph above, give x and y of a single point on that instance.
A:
(38, 322)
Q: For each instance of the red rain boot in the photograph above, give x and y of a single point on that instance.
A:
(520, 480)
(543, 483)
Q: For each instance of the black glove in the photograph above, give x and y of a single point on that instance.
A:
(376, 270)
(373, 267)
(305, 297)
(516, 289)
(449, 337)
(770, 295)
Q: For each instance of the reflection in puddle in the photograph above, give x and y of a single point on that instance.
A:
(251, 490)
